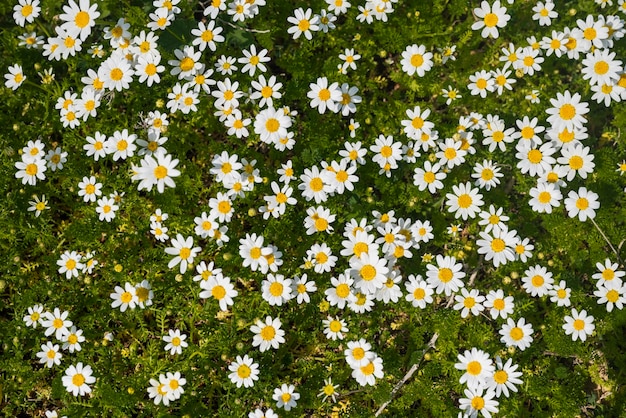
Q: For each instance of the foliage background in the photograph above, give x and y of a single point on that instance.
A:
(561, 377)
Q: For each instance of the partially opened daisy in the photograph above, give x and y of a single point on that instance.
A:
(184, 252)
(492, 17)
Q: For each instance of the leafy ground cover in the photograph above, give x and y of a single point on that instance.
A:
(386, 208)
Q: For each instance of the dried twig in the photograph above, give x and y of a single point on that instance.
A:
(407, 376)
(606, 239)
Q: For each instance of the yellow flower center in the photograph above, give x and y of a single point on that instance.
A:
(535, 156)
(160, 172)
(544, 197)
(498, 304)
(82, 19)
(474, 367)
(498, 245)
(343, 290)
(268, 332)
(579, 325)
(491, 20)
(276, 289)
(465, 201)
(116, 74)
(567, 111)
(417, 60)
(576, 162)
(582, 203)
(367, 272)
(243, 371)
(516, 333)
(445, 274)
(78, 379)
(537, 280)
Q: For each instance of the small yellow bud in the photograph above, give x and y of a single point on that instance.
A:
(118, 268)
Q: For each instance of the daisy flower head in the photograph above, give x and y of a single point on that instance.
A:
(268, 334)
(244, 371)
(258, 413)
(465, 201)
(157, 169)
(175, 383)
(493, 219)
(349, 99)
(50, 354)
(529, 60)
(479, 400)
(328, 391)
(334, 328)
(492, 17)
(429, 177)
(487, 175)
(481, 83)
(341, 291)
(276, 289)
(578, 159)
(369, 272)
(358, 353)
(349, 57)
(417, 122)
(498, 304)
(124, 297)
(608, 272)
(387, 151)
(451, 153)
(607, 93)
(505, 377)
(56, 323)
(579, 325)
(34, 316)
(477, 367)
(419, 292)
(447, 53)
(445, 276)
(286, 397)
(30, 169)
(315, 186)
(501, 80)
(159, 390)
(26, 11)
(353, 152)
(369, 372)
(612, 293)
(38, 205)
(528, 130)
(15, 77)
(116, 73)
(326, 21)
(318, 220)
(240, 10)
(144, 294)
(534, 160)
(498, 246)
(271, 125)
(220, 288)
(581, 204)
(183, 250)
(533, 96)
(304, 22)
(175, 341)
(106, 209)
(254, 60)
(594, 32)
(554, 44)
(78, 378)
(544, 12)
(518, 335)
(560, 294)
(544, 197)
(121, 145)
(450, 94)
(267, 90)
(469, 302)
(207, 36)
(79, 18)
(324, 96)
(415, 60)
(70, 263)
(567, 111)
(537, 281)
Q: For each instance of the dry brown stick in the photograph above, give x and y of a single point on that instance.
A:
(407, 376)
(606, 239)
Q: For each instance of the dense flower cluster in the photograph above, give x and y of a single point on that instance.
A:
(367, 270)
